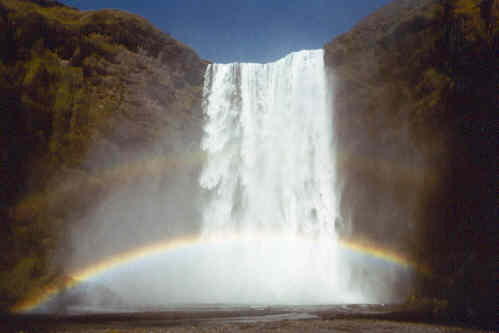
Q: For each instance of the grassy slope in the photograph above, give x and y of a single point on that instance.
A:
(67, 79)
(415, 110)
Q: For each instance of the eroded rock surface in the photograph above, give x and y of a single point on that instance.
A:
(90, 103)
(415, 100)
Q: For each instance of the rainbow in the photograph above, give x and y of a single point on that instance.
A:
(107, 264)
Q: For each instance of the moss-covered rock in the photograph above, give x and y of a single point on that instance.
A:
(74, 83)
(416, 103)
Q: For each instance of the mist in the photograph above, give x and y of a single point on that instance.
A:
(255, 179)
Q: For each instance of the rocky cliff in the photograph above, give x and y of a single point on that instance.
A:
(90, 103)
(416, 101)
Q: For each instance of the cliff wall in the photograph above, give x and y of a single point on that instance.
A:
(416, 101)
(91, 102)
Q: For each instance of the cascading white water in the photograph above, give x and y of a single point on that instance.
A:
(270, 182)
(268, 138)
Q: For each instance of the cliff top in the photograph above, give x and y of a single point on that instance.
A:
(52, 19)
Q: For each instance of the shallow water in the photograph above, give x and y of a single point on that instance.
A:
(236, 318)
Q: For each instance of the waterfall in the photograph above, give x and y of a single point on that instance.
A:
(269, 179)
(268, 137)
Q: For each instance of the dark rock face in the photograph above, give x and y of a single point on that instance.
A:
(91, 102)
(383, 167)
(415, 120)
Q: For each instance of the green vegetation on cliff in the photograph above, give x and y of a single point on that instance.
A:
(416, 112)
(69, 81)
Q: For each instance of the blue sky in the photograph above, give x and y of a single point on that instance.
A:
(246, 30)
